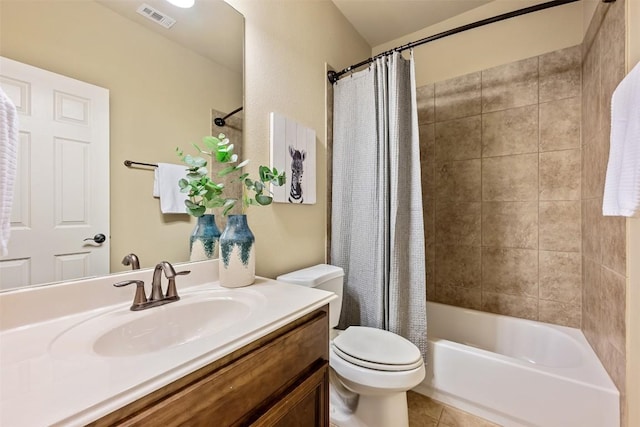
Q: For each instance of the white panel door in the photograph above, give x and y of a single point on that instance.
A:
(61, 196)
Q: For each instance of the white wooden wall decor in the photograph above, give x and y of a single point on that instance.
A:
(293, 149)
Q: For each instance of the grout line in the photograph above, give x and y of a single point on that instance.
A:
(482, 201)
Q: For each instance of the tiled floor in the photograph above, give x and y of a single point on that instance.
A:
(425, 412)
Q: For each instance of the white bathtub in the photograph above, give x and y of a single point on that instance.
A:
(516, 372)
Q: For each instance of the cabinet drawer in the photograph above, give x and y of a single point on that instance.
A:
(231, 394)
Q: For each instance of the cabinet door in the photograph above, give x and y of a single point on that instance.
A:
(306, 405)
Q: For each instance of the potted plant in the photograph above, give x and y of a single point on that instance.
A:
(237, 243)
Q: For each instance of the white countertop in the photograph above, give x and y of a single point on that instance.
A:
(40, 387)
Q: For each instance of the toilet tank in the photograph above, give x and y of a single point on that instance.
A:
(322, 276)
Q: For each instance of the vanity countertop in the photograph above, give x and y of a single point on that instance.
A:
(39, 386)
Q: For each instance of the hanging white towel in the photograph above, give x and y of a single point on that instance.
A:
(8, 165)
(166, 187)
(622, 185)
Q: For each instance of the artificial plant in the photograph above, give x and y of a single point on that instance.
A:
(204, 193)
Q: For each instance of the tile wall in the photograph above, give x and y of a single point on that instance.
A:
(603, 238)
(501, 164)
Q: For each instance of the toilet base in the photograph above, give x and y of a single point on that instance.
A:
(369, 411)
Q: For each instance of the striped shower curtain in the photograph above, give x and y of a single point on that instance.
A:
(377, 232)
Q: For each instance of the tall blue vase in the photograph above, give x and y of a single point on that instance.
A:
(237, 253)
(204, 241)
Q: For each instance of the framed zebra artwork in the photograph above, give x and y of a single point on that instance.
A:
(293, 149)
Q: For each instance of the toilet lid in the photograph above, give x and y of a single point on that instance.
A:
(376, 349)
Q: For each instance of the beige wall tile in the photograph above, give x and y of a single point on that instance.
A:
(614, 362)
(425, 97)
(561, 277)
(458, 266)
(592, 294)
(512, 131)
(460, 297)
(511, 85)
(560, 175)
(592, 102)
(595, 155)
(427, 144)
(604, 238)
(560, 226)
(458, 223)
(613, 243)
(613, 305)
(510, 305)
(510, 271)
(510, 178)
(560, 124)
(594, 27)
(560, 313)
(613, 56)
(560, 74)
(510, 224)
(459, 139)
(591, 229)
(459, 180)
(430, 259)
(458, 97)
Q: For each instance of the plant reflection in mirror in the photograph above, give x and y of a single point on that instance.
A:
(204, 193)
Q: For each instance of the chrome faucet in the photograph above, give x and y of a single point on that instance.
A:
(140, 301)
(132, 260)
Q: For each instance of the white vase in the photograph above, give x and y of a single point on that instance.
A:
(237, 262)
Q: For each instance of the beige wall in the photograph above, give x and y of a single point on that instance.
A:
(161, 95)
(494, 44)
(287, 45)
(633, 250)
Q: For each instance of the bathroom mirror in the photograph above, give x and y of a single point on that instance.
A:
(166, 85)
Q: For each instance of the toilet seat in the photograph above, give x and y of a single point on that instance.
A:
(376, 349)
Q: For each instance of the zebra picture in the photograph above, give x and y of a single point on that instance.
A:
(297, 159)
(293, 150)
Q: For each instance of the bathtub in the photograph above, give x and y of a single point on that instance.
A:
(516, 372)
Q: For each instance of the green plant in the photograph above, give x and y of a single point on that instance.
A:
(205, 194)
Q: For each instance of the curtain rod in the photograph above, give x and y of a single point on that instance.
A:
(334, 76)
(221, 121)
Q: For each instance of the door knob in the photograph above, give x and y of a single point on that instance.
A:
(98, 238)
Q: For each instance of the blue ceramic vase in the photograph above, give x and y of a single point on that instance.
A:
(204, 241)
(237, 253)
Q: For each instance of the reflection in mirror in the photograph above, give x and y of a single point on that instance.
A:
(165, 87)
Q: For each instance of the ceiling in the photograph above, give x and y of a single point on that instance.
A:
(380, 21)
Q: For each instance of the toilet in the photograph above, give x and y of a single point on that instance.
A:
(372, 369)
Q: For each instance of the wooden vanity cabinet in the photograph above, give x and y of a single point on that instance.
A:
(279, 380)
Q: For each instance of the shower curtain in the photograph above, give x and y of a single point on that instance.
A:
(377, 225)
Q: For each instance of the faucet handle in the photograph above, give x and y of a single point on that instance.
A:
(172, 292)
(140, 298)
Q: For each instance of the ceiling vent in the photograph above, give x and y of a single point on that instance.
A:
(156, 16)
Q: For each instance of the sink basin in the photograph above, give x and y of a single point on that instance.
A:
(125, 333)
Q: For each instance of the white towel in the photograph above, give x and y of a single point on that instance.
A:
(622, 185)
(8, 165)
(166, 187)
